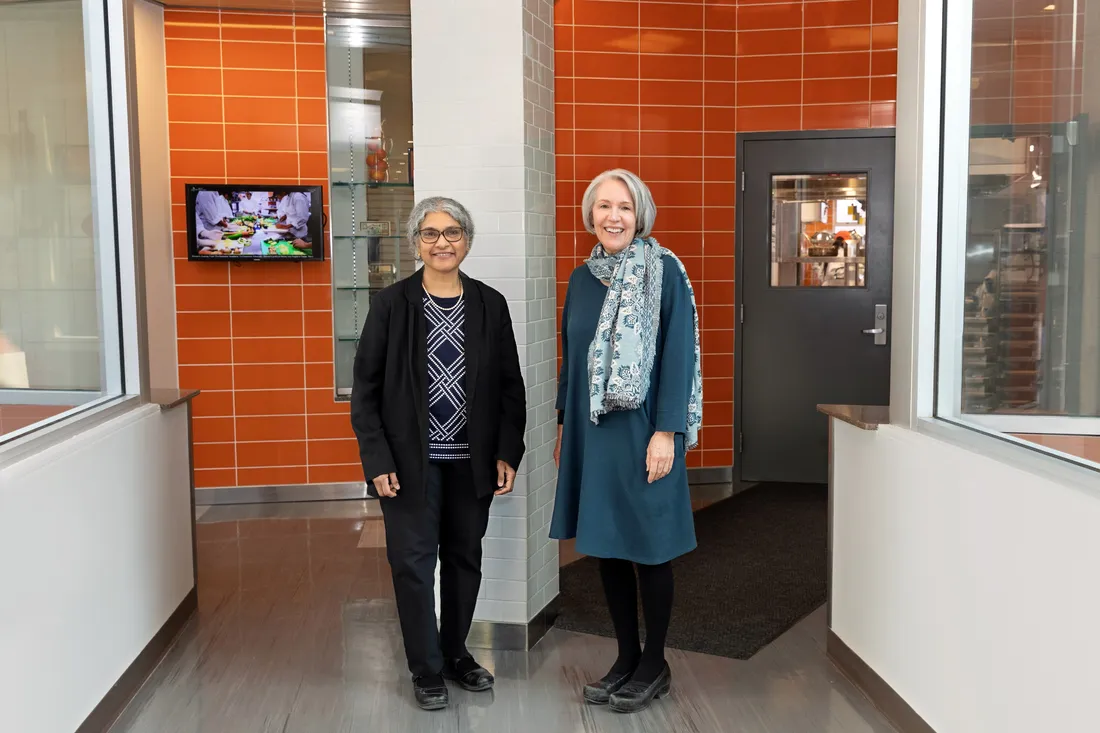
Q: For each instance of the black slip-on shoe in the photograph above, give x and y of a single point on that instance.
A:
(431, 692)
(636, 696)
(598, 693)
(468, 674)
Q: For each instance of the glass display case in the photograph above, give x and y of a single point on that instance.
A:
(369, 61)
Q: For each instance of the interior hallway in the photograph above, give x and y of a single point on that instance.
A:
(297, 633)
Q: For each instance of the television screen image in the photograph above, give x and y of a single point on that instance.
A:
(246, 222)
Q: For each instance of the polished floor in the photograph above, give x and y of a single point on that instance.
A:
(296, 633)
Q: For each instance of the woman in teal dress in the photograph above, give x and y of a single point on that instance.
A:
(629, 406)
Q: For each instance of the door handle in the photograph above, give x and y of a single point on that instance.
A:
(879, 331)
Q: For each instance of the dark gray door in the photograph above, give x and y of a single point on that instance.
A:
(814, 258)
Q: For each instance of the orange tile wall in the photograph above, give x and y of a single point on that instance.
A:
(662, 88)
(247, 103)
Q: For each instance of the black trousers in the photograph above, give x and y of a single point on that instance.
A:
(449, 525)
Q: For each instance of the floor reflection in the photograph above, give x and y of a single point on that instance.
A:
(296, 633)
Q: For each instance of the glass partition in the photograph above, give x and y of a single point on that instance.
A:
(1020, 289)
(59, 325)
(371, 156)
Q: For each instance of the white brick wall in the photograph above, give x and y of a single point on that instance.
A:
(539, 296)
(483, 123)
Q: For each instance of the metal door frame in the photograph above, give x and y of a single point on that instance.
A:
(739, 244)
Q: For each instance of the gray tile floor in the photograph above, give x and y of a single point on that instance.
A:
(297, 633)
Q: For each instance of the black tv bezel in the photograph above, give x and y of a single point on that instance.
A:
(316, 220)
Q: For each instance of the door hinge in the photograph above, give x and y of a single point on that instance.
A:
(742, 180)
(740, 442)
(742, 313)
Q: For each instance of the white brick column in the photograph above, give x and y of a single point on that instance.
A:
(483, 126)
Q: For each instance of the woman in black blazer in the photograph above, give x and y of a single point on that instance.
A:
(439, 407)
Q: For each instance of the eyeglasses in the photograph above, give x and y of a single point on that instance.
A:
(451, 234)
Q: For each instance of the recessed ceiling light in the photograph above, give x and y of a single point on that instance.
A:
(1049, 7)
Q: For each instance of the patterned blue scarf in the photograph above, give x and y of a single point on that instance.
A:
(620, 358)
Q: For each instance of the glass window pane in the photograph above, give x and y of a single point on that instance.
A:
(51, 335)
(819, 230)
(1020, 298)
(1030, 309)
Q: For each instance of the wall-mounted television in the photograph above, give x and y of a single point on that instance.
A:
(254, 222)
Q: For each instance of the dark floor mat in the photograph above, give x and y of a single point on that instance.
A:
(760, 567)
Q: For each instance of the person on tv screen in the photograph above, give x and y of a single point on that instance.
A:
(263, 202)
(209, 220)
(248, 205)
(224, 207)
(296, 220)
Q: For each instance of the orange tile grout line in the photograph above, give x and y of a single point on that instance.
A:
(186, 24)
(228, 266)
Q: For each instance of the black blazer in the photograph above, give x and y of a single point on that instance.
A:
(389, 396)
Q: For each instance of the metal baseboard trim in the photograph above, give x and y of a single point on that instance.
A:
(123, 691)
(710, 475)
(878, 691)
(356, 491)
(513, 637)
(281, 494)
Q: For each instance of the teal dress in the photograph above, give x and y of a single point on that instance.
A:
(603, 495)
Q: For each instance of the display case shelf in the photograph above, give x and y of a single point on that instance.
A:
(372, 184)
(367, 236)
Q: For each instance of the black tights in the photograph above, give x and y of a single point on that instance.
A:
(622, 600)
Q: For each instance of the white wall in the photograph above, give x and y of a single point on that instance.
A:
(493, 151)
(95, 555)
(156, 195)
(968, 585)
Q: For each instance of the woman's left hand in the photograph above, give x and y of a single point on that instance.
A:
(660, 455)
(506, 477)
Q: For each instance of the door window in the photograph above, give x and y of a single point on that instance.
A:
(819, 230)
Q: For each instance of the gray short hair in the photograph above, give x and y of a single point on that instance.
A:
(645, 209)
(443, 205)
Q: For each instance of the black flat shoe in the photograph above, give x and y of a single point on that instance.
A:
(598, 693)
(636, 696)
(468, 674)
(431, 692)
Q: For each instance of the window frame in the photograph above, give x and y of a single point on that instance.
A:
(943, 416)
(953, 205)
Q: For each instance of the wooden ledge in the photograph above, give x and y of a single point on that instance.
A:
(169, 398)
(865, 417)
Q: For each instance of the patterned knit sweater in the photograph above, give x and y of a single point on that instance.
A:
(447, 439)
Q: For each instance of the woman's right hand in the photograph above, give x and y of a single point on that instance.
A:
(557, 449)
(387, 485)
